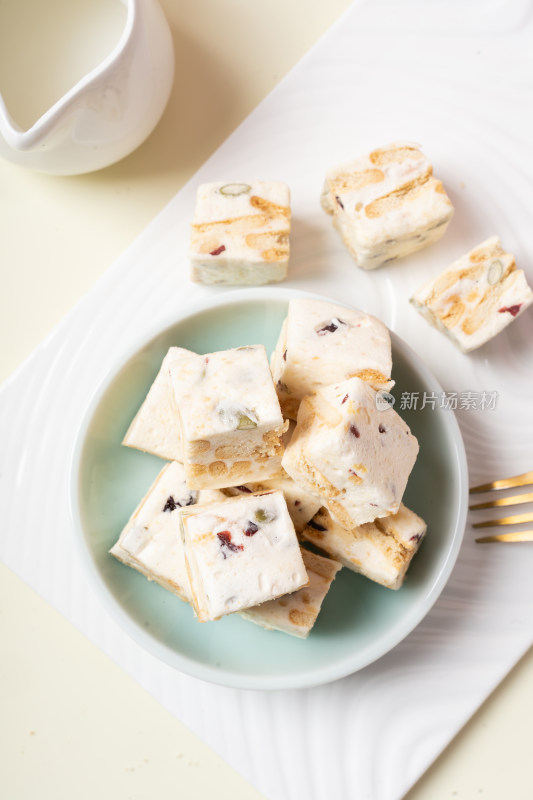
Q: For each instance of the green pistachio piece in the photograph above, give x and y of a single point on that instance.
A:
(262, 515)
(234, 189)
(495, 272)
(245, 423)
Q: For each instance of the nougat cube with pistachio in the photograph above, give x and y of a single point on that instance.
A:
(240, 233)
(240, 552)
(351, 452)
(322, 342)
(381, 550)
(476, 297)
(231, 424)
(386, 204)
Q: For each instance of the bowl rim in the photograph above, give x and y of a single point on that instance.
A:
(315, 676)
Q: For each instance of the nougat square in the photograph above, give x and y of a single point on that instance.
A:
(230, 419)
(386, 204)
(155, 428)
(296, 613)
(476, 297)
(381, 550)
(240, 552)
(351, 453)
(240, 233)
(150, 542)
(322, 342)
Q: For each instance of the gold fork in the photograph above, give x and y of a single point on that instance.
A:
(527, 497)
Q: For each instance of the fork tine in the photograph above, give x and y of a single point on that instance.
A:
(504, 521)
(519, 536)
(506, 483)
(516, 499)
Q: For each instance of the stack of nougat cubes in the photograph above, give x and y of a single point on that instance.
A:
(278, 474)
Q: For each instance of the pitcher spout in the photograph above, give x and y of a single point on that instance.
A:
(12, 137)
(108, 111)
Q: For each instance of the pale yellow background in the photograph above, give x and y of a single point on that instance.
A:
(72, 724)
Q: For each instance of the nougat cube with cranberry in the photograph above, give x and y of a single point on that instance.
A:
(351, 452)
(322, 342)
(381, 550)
(150, 541)
(230, 419)
(240, 552)
(240, 233)
(476, 297)
(386, 204)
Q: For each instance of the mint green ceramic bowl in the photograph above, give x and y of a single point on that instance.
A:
(359, 621)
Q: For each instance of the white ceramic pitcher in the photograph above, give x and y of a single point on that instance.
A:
(110, 111)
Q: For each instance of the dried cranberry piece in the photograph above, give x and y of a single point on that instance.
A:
(382, 429)
(218, 250)
(331, 328)
(339, 201)
(513, 310)
(284, 355)
(251, 529)
(244, 489)
(344, 399)
(354, 431)
(225, 542)
(333, 325)
(171, 504)
(316, 525)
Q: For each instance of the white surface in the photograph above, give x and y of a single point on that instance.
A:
(422, 692)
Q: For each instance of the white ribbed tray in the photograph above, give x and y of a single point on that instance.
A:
(450, 76)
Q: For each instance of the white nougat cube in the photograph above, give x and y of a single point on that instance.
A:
(240, 233)
(150, 541)
(155, 428)
(322, 342)
(352, 454)
(296, 613)
(230, 419)
(381, 550)
(476, 297)
(240, 552)
(386, 204)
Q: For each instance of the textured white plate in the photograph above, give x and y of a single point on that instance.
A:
(455, 77)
